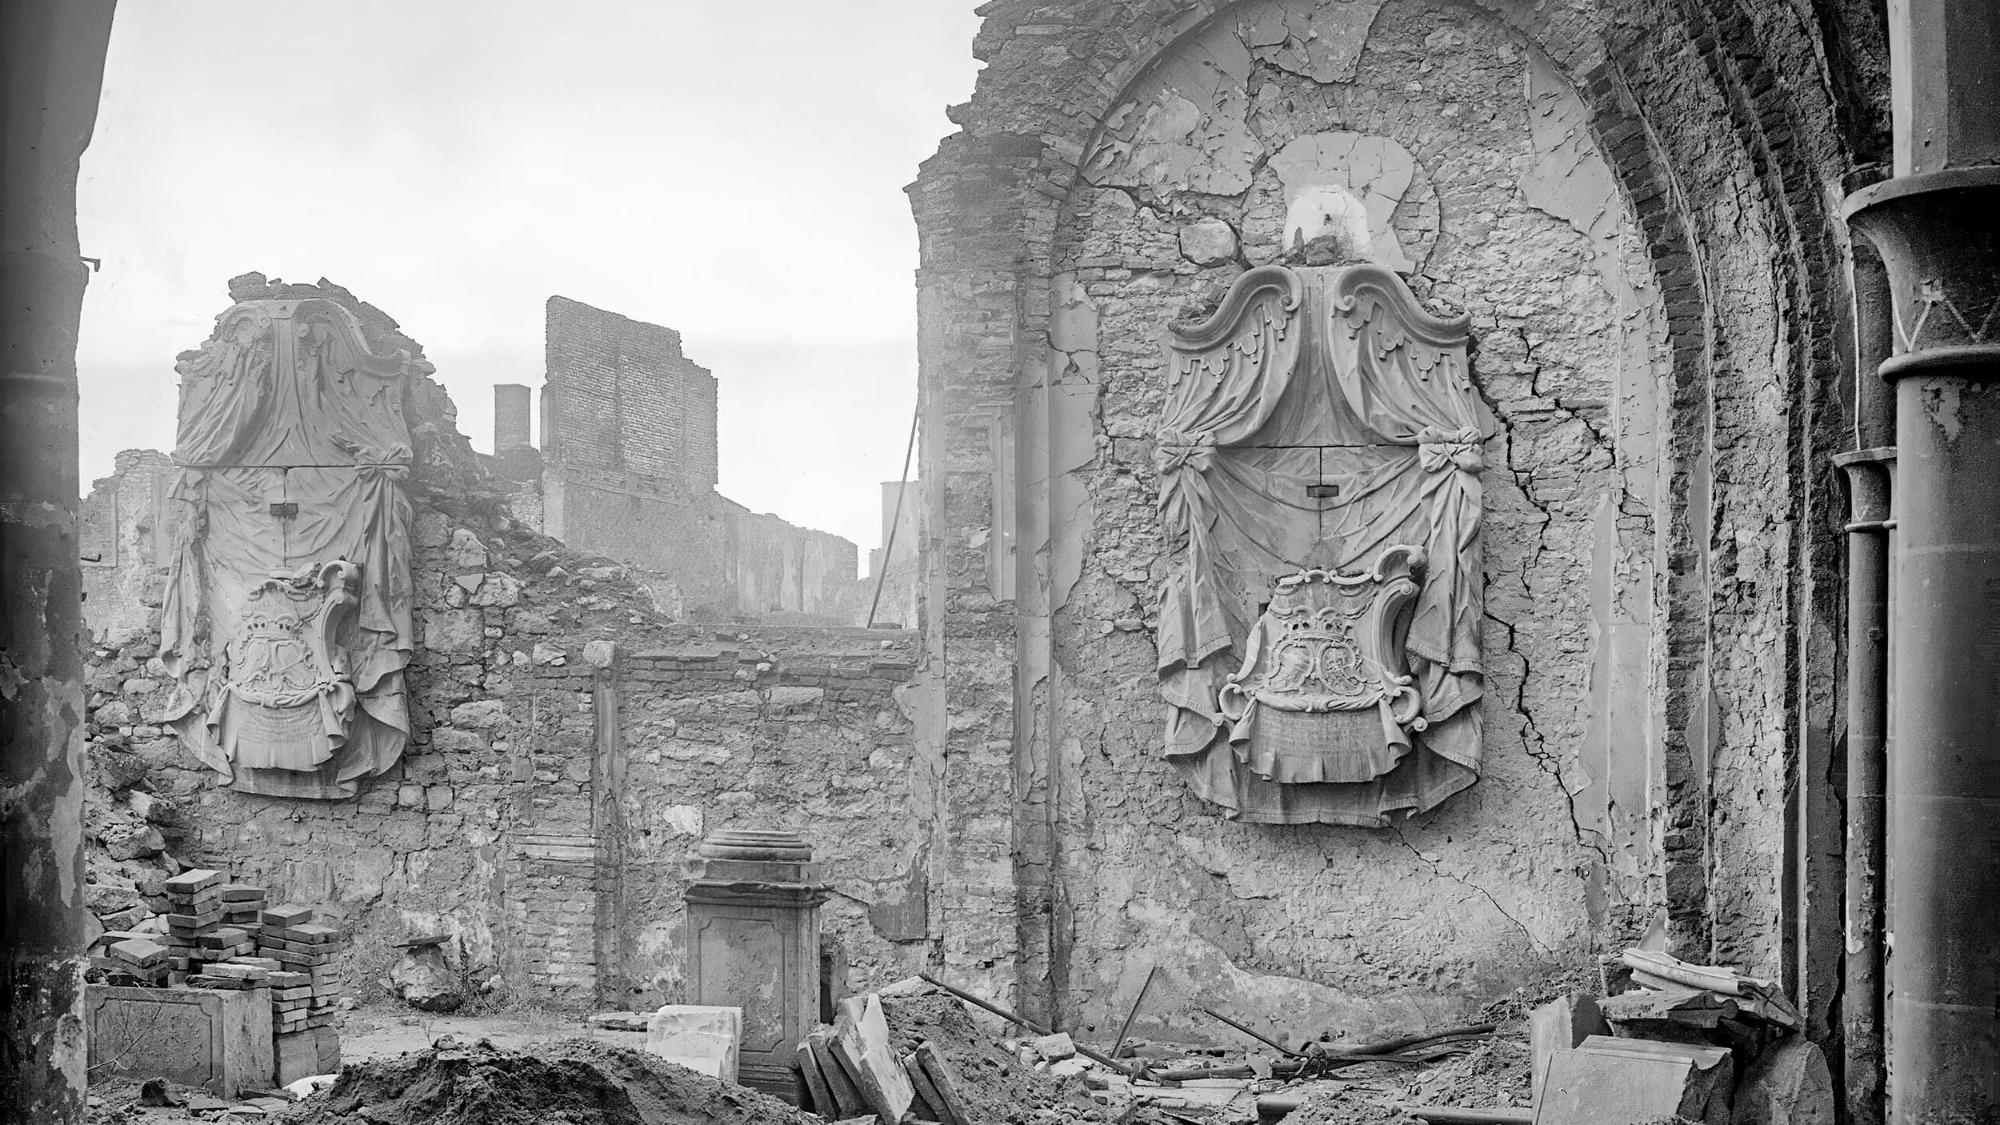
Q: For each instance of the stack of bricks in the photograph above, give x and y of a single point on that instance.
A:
(305, 989)
(199, 932)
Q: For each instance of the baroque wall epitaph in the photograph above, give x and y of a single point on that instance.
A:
(1319, 455)
(286, 625)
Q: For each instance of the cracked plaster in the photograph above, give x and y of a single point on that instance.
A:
(1515, 222)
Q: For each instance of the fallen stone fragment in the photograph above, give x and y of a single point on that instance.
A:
(861, 1042)
(704, 1038)
(1789, 1084)
(1609, 1079)
(847, 1099)
(1055, 1047)
(1561, 1025)
(818, 1093)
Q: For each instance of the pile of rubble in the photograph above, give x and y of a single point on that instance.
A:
(1673, 1040)
(574, 1081)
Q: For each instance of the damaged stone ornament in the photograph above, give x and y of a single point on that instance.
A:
(286, 625)
(1320, 628)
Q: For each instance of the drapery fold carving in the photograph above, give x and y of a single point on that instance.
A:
(287, 616)
(1318, 419)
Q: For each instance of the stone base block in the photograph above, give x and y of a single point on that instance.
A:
(217, 1040)
(301, 1054)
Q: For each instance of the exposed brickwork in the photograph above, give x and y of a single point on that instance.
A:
(624, 402)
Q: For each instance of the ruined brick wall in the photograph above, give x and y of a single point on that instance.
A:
(570, 748)
(1635, 220)
(124, 540)
(629, 448)
(622, 401)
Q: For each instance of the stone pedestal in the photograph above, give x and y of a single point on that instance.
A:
(752, 940)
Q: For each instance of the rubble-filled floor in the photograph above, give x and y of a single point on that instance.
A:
(513, 1069)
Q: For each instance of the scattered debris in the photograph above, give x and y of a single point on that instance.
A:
(574, 1081)
(1681, 1036)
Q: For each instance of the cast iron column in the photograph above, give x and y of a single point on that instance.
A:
(51, 65)
(1937, 226)
(1868, 484)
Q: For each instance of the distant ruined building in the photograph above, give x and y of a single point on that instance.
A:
(627, 470)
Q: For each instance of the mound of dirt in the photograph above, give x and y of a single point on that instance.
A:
(571, 1082)
(998, 1088)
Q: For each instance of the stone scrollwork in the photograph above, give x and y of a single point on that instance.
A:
(286, 624)
(1319, 460)
(1331, 642)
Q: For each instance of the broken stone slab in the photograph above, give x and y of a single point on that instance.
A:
(1561, 1025)
(945, 1082)
(701, 1037)
(1607, 1079)
(1789, 1084)
(622, 1021)
(928, 1100)
(847, 1099)
(861, 1042)
(818, 1095)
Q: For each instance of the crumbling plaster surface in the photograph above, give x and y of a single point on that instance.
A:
(1728, 129)
(1518, 222)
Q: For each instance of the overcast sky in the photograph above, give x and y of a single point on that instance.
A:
(731, 171)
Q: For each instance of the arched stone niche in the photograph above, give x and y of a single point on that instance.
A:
(1439, 145)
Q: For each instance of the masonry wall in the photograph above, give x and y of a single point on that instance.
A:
(1657, 542)
(571, 746)
(622, 401)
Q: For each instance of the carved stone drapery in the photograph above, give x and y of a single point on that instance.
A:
(287, 615)
(1320, 451)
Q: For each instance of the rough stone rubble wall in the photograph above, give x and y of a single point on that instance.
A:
(1629, 223)
(570, 749)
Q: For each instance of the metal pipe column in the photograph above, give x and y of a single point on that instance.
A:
(1868, 483)
(1937, 226)
(1940, 234)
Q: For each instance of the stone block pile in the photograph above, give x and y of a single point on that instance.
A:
(227, 936)
(211, 920)
(304, 950)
